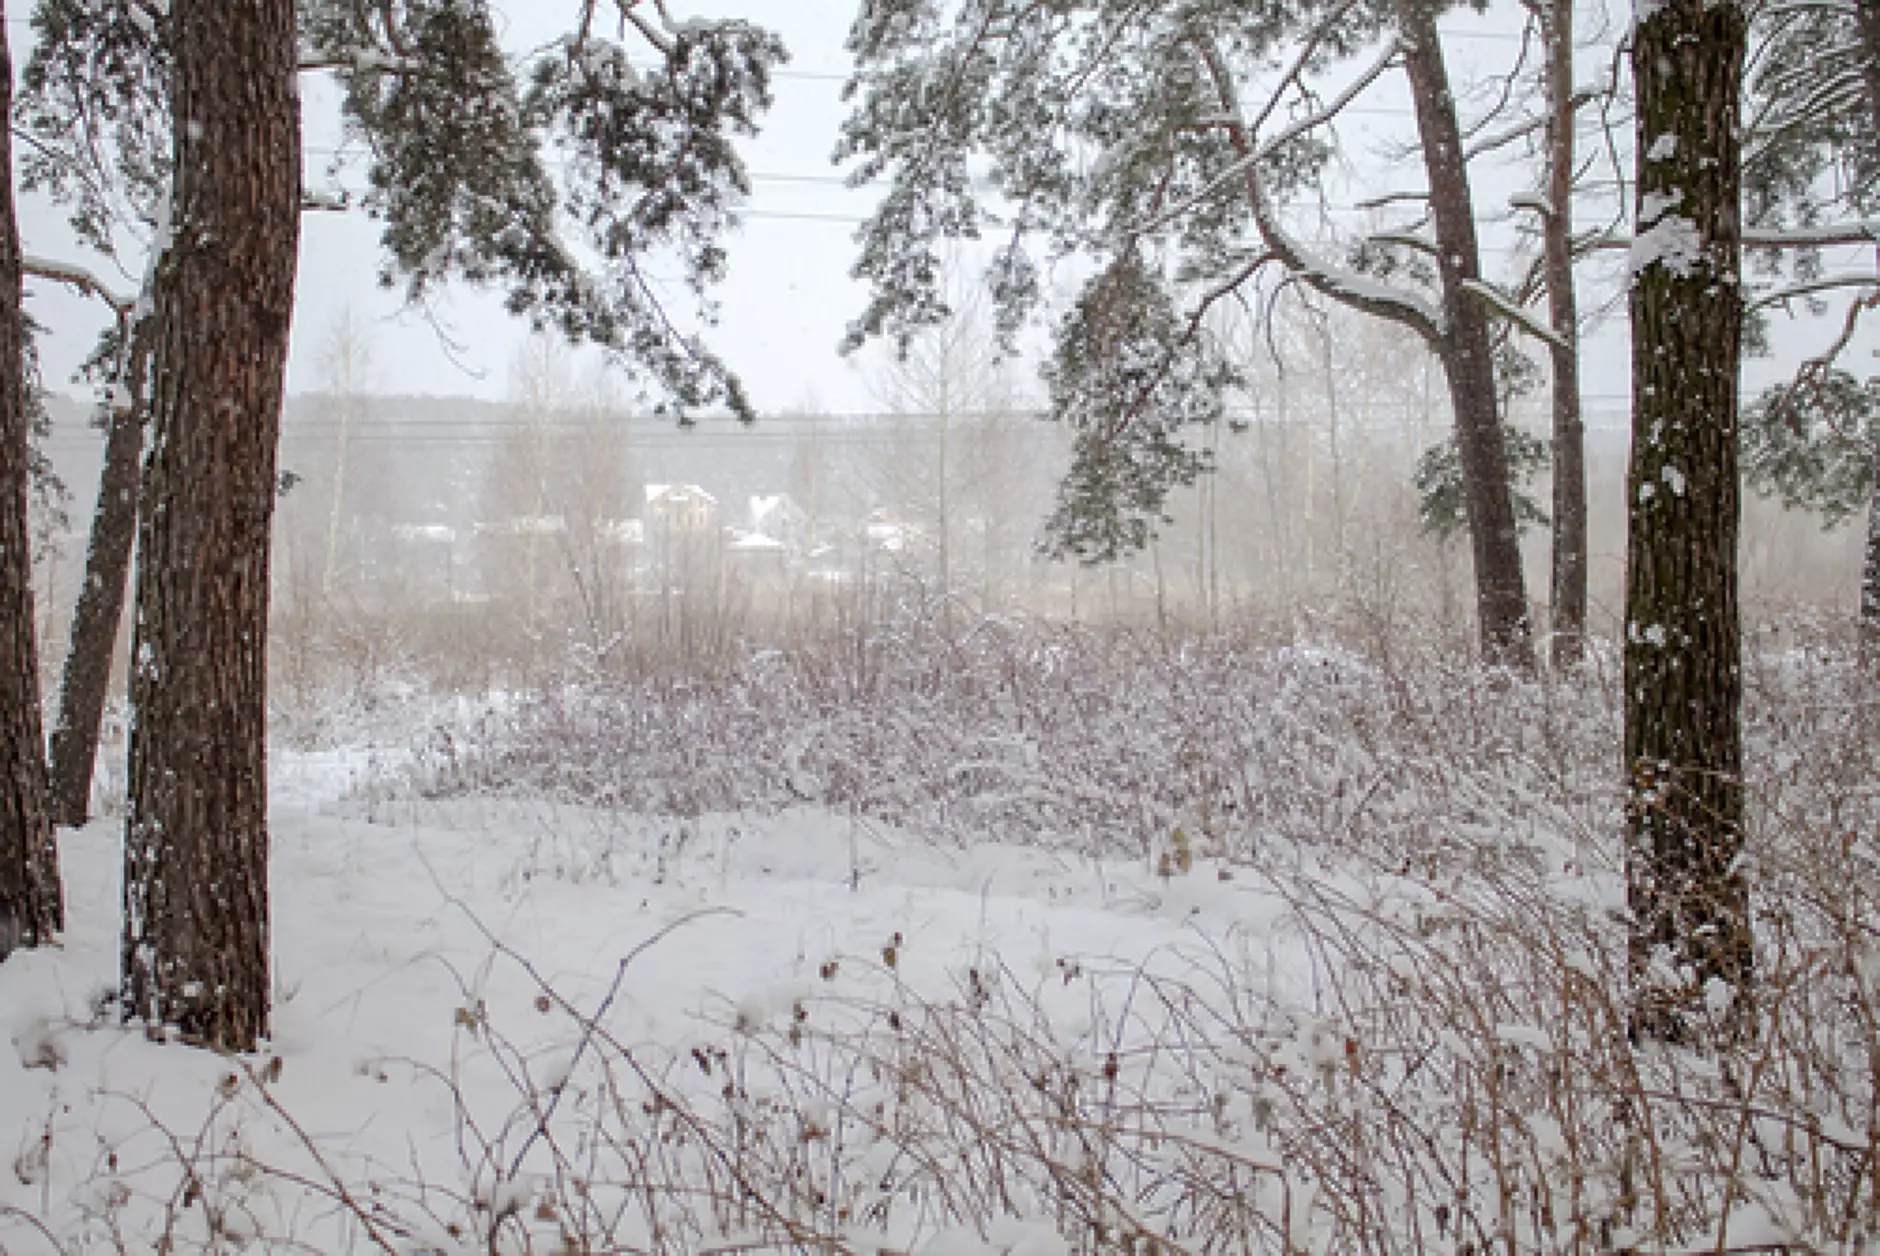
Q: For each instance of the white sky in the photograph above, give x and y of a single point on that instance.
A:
(788, 297)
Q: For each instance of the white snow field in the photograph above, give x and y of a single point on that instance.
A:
(507, 1023)
(420, 964)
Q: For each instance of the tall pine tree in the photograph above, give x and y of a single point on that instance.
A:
(31, 905)
(1690, 943)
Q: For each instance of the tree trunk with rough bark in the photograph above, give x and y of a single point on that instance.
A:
(86, 682)
(31, 904)
(1867, 12)
(195, 940)
(1870, 567)
(1568, 587)
(1690, 945)
(1501, 586)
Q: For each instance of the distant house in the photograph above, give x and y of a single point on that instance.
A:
(525, 525)
(425, 533)
(778, 518)
(679, 508)
(626, 533)
(683, 548)
(885, 534)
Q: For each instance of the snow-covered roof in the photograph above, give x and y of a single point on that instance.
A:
(525, 525)
(889, 536)
(765, 506)
(678, 492)
(424, 532)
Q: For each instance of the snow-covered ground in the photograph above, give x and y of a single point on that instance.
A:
(407, 940)
(1379, 1007)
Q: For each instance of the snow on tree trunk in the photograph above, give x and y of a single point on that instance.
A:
(1690, 936)
(1501, 587)
(196, 852)
(31, 906)
(86, 682)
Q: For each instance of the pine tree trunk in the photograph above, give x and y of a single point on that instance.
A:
(1501, 586)
(1867, 13)
(1689, 900)
(1870, 567)
(31, 905)
(1568, 590)
(86, 682)
(196, 849)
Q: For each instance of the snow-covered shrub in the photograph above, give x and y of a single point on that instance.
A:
(1103, 742)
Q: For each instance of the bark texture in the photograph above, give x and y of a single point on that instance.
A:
(1468, 362)
(86, 681)
(1867, 13)
(1568, 586)
(1689, 899)
(31, 906)
(196, 853)
(1870, 567)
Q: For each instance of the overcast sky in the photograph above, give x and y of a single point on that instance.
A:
(788, 297)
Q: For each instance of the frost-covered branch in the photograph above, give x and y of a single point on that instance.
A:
(1521, 130)
(1405, 239)
(361, 61)
(79, 278)
(1268, 148)
(315, 200)
(1515, 313)
(1864, 232)
(1829, 283)
(1336, 282)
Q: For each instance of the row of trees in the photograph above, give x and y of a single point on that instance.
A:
(1152, 142)
(179, 125)
(1200, 145)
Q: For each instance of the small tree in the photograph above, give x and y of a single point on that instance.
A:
(1815, 443)
(1438, 478)
(1816, 150)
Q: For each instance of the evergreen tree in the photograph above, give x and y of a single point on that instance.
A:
(1117, 130)
(457, 131)
(1815, 444)
(31, 905)
(195, 939)
(1814, 154)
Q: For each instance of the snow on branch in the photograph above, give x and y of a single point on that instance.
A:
(1406, 239)
(363, 60)
(1342, 285)
(1866, 231)
(1829, 283)
(1532, 201)
(1232, 120)
(1503, 305)
(77, 277)
(329, 201)
(1521, 130)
